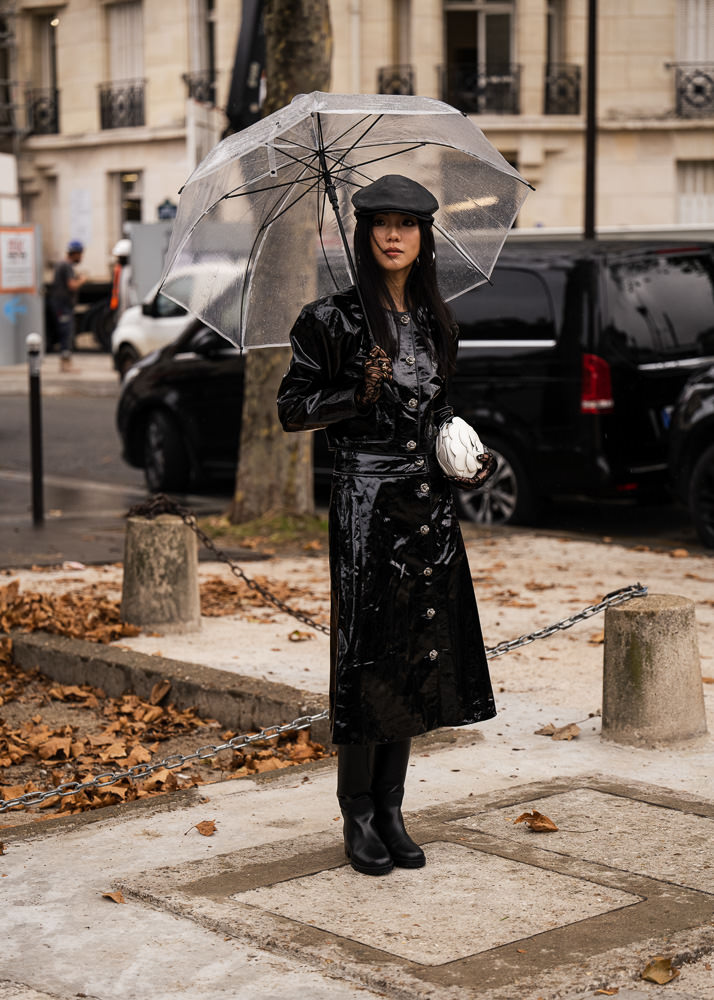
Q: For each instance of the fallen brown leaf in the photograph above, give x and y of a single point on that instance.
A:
(297, 636)
(568, 732)
(536, 821)
(708, 680)
(659, 970)
(679, 554)
(206, 827)
(158, 691)
(117, 896)
(607, 993)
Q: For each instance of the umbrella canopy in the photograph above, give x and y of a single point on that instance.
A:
(255, 236)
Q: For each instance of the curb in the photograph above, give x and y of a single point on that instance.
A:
(237, 702)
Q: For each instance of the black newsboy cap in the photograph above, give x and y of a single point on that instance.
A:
(395, 193)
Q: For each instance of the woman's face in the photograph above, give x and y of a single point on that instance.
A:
(395, 241)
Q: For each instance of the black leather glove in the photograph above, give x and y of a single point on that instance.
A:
(489, 465)
(377, 370)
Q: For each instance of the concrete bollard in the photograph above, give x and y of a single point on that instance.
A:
(652, 682)
(160, 588)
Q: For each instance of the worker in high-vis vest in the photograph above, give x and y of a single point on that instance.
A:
(123, 293)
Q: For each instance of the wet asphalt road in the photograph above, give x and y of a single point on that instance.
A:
(88, 488)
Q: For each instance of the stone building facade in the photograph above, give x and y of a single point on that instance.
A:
(110, 127)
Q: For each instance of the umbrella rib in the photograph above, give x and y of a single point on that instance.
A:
(460, 250)
(355, 167)
(269, 220)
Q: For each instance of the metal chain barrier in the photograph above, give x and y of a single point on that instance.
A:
(163, 505)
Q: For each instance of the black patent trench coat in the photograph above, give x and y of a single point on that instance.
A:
(407, 654)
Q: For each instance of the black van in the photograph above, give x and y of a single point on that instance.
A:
(570, 363)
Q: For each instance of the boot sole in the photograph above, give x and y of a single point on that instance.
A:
(405, 863)
(384, 870)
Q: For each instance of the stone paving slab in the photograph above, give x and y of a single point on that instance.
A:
(669, 845)
(490, 916)
(459, 886)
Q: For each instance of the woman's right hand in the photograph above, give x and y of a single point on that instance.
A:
(377, 370)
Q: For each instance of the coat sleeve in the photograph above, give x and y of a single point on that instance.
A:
(317, 389)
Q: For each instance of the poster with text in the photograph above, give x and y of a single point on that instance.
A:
(17, 260)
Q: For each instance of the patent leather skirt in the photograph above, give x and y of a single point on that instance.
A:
(407, 654)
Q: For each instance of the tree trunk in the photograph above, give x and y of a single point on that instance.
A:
(275, 472)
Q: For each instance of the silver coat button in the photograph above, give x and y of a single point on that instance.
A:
(410, 359)
(404, 319)
(413, 403)
(433, 653)
(424, 530)
(418, 462)
(430, 612)
(424, 488)
(411, 445)
(428, 571)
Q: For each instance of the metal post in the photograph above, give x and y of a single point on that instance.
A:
(591, 122)
(33, 343)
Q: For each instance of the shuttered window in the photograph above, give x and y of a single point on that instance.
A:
(695, 191)
(695, 31)
(125, 33)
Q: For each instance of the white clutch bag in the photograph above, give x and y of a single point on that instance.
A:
(458, 448)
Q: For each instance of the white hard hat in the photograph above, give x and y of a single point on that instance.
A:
(122, 248)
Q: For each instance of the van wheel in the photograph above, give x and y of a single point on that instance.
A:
(701, 497)
(126, 357)
(166, 462)
(507, 498)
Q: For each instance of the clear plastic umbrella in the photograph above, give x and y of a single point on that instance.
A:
(264, 223)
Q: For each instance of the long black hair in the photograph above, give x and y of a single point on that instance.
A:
(421, 292)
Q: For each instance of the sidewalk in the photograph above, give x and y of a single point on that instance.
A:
(267, 908)
(93, 375)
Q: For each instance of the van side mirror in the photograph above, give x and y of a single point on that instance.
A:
(148, 308)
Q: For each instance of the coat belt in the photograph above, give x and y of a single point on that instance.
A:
(369, 463)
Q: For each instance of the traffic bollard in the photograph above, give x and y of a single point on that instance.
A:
(33, 342)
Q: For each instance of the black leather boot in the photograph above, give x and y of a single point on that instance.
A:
(390, 769)
(363, 846)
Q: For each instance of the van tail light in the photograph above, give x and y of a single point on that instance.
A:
(596, 394)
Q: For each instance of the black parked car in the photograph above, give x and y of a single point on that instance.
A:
(692, 452)
(569, 366)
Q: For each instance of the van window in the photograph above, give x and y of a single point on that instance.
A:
(662, 306)
(517, 306)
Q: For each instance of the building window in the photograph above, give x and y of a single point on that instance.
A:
(43, 95)
(694, 69)
(480, 75)
(695, 191)
(201, 78)
(125, 197)
(122, 97)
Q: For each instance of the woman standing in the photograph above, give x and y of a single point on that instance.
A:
(407, 655)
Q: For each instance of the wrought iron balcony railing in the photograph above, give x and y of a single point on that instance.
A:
(201, 86)
(121, 103)
(395, 80)
(478, 92)
(562, 89)
(42, 110)
(694, 84)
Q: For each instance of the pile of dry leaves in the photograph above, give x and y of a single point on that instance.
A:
(86, 613)
(90, 612)
(52, 733)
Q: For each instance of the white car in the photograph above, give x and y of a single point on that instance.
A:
(145, 328)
